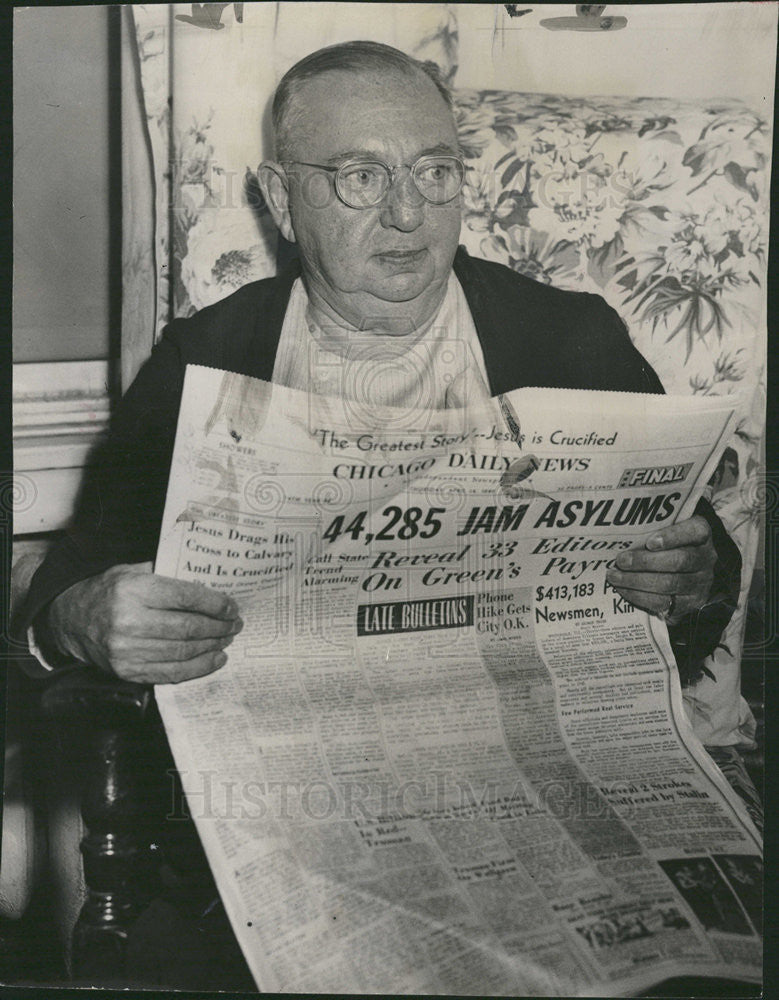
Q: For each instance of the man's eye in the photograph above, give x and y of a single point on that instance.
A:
(435, 172)
(361, 176)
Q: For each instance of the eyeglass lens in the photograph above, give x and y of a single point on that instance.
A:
(363, 184)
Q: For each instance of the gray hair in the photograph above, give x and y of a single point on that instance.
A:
(351, 57)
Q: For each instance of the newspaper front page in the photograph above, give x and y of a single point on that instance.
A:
(444, 756)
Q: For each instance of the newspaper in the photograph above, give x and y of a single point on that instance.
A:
(444, 755)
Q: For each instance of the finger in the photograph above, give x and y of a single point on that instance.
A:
(185, 595)
(692, 531)
(152, 623)
(130, 648)
(691, 559)
(657, 604)
(657, 583)
(170, 672)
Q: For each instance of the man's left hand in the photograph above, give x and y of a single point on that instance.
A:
(677, 562)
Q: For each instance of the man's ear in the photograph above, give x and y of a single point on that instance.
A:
(273, 184)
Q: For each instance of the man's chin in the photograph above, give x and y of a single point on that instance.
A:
(402, 287)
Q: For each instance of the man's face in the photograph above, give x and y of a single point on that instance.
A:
(391, 260)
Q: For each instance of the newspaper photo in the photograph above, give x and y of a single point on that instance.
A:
(444, 755)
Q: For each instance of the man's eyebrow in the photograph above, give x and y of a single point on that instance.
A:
(351, 154)
(441, 147)
(369, 154)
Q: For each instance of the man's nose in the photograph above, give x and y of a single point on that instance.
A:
(403, 206)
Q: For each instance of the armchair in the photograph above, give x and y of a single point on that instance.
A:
(632, 199)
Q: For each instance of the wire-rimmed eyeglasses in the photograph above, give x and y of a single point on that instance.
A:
(364, 183)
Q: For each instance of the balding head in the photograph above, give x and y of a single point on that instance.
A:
(367, 58)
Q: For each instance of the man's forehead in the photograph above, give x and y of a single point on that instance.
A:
(370, 111)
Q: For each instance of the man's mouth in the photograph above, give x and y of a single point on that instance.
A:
(402, 255)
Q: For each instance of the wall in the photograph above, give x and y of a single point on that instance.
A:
(61, 189)
(666, 50)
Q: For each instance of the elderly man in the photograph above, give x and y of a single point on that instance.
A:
(366, 182)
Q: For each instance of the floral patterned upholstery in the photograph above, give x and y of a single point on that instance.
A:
(660, 206)
(656, 204)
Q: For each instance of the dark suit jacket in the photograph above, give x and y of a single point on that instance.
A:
(530, 334)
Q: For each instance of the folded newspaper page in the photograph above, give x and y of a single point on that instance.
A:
(444, 756)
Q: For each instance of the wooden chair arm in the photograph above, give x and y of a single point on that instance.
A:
(82, 694)
(113, 732)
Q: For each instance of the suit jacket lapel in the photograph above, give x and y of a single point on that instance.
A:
(499, 322)
(261, 350)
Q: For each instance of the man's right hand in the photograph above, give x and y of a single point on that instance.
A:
(142, 627)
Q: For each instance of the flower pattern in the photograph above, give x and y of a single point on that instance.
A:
(222, 255)
(217, 248)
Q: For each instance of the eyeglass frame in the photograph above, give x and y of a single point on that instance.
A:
(391, 171)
